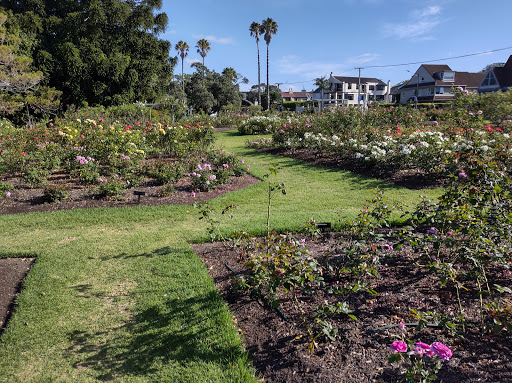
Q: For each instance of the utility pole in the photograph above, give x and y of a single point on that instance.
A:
(359, 87)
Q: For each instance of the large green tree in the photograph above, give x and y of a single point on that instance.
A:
(268, 28)
(255, 30)
(20, 87)
(98, 51)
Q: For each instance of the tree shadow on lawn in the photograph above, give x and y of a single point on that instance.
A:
(175, 331)
(167, 250)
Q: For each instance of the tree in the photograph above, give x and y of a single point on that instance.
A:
(182, 47)
(19, 84)
(98, 51)
(255, 30)
(203, 47)
(323, 84)
(269, 28)
(490, 66)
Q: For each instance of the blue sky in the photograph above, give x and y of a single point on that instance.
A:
(315, 38)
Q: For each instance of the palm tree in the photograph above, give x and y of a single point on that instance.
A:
(203, 47)
(269, 28)
(322, 83)
(255, 30)
(182, 47)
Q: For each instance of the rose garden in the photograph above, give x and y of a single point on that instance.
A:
(376, 246)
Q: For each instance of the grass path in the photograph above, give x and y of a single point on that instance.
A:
(117, 294)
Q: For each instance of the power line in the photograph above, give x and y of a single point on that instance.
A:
(413, 63)
(448, 58)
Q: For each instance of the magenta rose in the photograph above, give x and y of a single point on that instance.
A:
(441, 350)
(398, 346)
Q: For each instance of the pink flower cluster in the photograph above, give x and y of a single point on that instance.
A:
(422, 349)
(84, 160)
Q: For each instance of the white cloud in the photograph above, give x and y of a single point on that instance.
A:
(364, 58)
(429, 11)
(420, 25)
(215, 39)
(191, 61)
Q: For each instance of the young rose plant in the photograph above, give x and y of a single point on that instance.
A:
(423, 361)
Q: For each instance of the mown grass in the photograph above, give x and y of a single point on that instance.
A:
(117, 294)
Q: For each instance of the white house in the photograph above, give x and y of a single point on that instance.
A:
(345, 91)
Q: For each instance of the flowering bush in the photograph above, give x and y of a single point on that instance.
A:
(423, 361)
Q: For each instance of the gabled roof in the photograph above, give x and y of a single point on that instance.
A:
(470, 80)
(504, 74)
(355, 80)
(431, 69)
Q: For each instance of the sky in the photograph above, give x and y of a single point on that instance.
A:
(315, 38)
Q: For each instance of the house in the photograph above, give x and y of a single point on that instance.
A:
(344, 91)
(497, 78)
(435, 82)
(296, 96)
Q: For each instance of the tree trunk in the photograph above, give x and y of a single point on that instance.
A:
(268, 84)
(259, 77)
(182, 76)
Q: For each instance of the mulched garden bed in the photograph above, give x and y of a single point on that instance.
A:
(12, 272)
(279, 347)
(409, 178)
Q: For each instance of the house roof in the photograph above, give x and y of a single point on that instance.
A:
(470, 80)
(296, 94)
(504, 74)
(431, 68)
(355, 80)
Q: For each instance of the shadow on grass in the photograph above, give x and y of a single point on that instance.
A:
(167, 250)
(172, 332)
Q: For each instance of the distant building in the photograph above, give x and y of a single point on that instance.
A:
(296, 96)
(344, 91)
(497, 78)
(435, 82)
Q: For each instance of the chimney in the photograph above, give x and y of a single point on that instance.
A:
(290, 90)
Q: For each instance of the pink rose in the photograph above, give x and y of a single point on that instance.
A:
(398, 346)
(441, 350)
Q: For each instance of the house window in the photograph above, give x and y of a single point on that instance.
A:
(447, 76)
(380, 87)
(371, 87)
(349, 86)
(340, 97)
(339, 87)
(363, 88)
(489, 79)
(379, 97)
(431, 91)
(371, 97)
(349, 96)
(440, 90)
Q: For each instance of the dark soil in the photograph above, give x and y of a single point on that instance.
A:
(279, 347)
(12, 272)
(27, 200)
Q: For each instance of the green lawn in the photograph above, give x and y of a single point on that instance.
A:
(117, 294)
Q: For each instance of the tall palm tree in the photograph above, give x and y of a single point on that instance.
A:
(255, 30)
(182, 47)
(268, 28)
(203, 47)
(323, 84)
